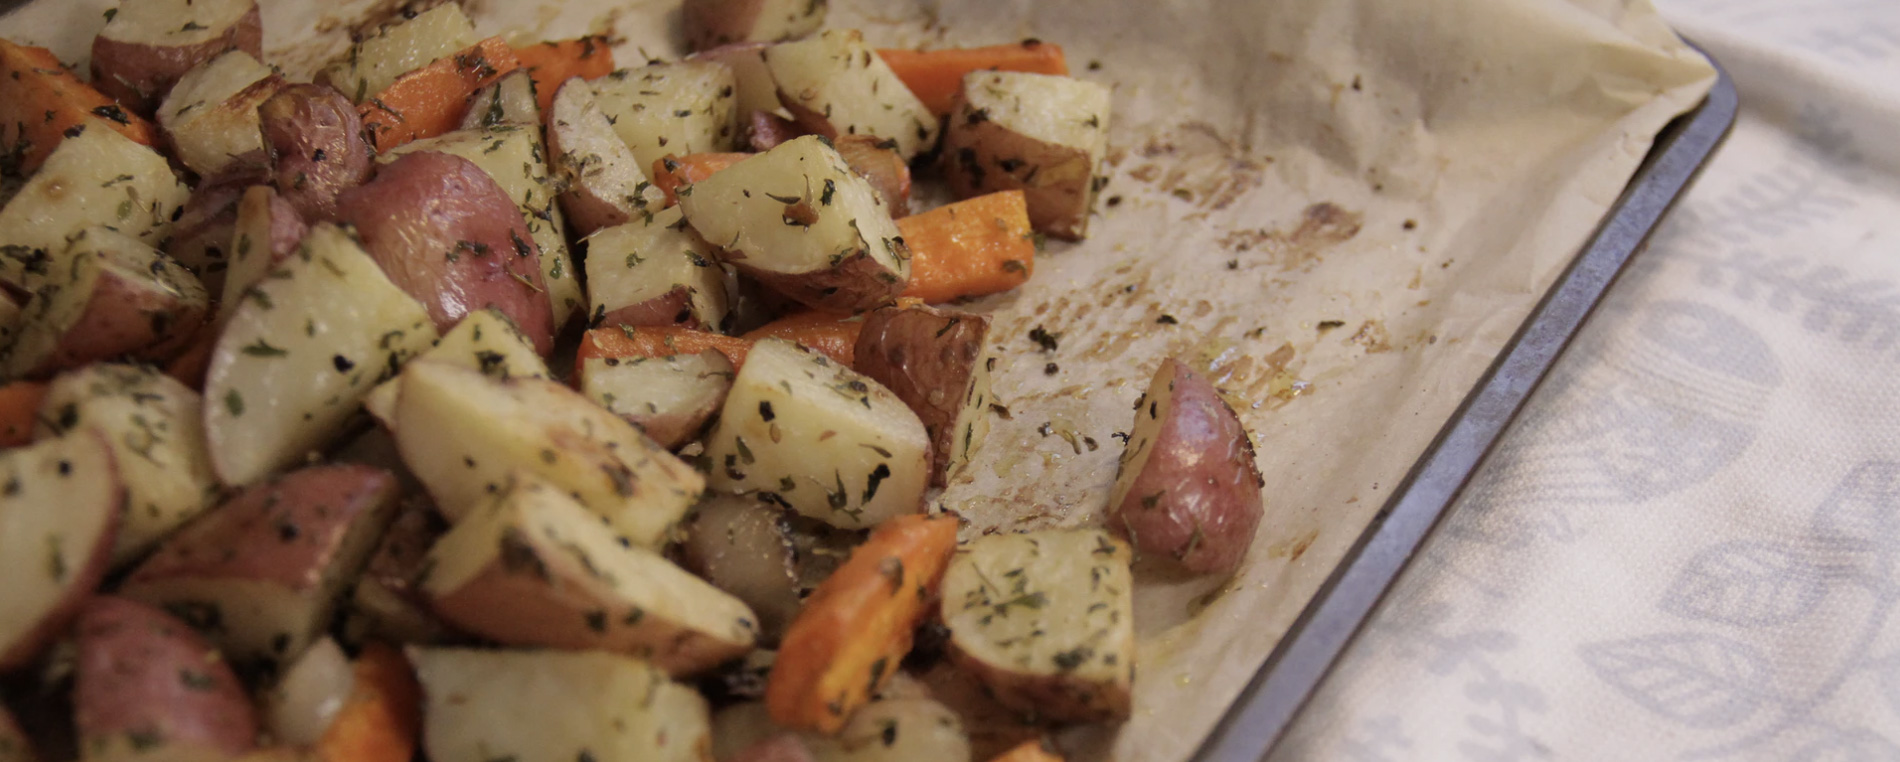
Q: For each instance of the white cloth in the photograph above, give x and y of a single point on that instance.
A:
(1688, 546)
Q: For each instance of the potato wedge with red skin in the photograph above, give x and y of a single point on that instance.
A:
(149, 44)
(606, 185)
(834, 85)
(262, 573)
(655, 271)
(935, 360)
(1189, 488)
(764, 130)
(877, 160)
(150, 687)
(201, 239)
(752, 81)
(118, 297)
(784, 747)
(670, 398)
(386, 603)
(315, 140)
(445, 233)
(52, 560)
(210, 118)
(1039, 133)
(265, 230)
(711, 23)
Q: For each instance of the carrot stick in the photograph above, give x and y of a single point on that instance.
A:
(935, 76)
(431, 100)
(552, 63)
(833, 334)
(671, 172)
(41, 101)
(1028, 751)
(974, 247)
(19, 408)
(380, 719)
(656, 341)
(857, 625)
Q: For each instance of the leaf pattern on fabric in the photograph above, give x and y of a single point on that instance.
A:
(1857, 745)
(1747, 584)
(1861, 510)
(1693, 678)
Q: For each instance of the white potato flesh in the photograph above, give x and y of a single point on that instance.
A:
(606, 184)
(376, 62)
(158, 22)
(1041, 133)
(655, 261)
(251, 237)
(509, 100)
(306, 700)
(756, 90)
(463, 434)
(1045, 619)
(807, 433)
(52, 559)
(155, 427)
(552, 706)
(835, 81)
(97, 178)
(211, 114)
(513, 156)
(895, 730)
(798, 213)
(534, 568)
(672, 108)
(111, 295)
(486, 340)
(670, 398)
(301, 351)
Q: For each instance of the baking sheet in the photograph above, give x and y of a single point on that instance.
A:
(1346, 207)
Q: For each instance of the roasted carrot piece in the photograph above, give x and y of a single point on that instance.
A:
(857, 625)
(383, 714)
(19, 406)
(1032, 750)
(671, 172)
(935, 76)
(656, 341)
(554, 62)
(41, 101)
(974, 247)
(834, 334)
(431, 100)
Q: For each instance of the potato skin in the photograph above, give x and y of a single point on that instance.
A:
(88, 563)
(711, 23)
(315, 139)
(1197, 496)
(877, 160)
(138, 75)
(927, 356)
(447, 234)
(201, 238)
(146, 679)
(857, 282)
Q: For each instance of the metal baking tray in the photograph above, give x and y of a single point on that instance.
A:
(1274, 698)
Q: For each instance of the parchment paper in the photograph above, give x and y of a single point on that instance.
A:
(1345, 206)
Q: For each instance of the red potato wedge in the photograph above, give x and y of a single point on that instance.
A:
(784, 747)
(671, 399)
(711, 23)
(833, 334)
(381, 719)
(486, 341)
(265, 231)
(117, 298)
(672, 172)
(1041, 134)
(53, 560)
(744, 547)
(150, 687)
(655, 271)
(201, 239)
(19, 412)
(506, 101)
(554, 705)
(606, 185)
(210, 118)
(764, 130)
(432, 100)
(937, 362)
(449, 236)
(42, 104)
(534, 568)
(752, 81)
(410, 41)
(262, 573)
(680, 108)
(555, 62)
(387, 604)
(95, 178)
(877, 160)
(896, 729)
(316, 145)
(148, 45)
(857, 626)
(307, 693)
(834, 85)
(1189, 488)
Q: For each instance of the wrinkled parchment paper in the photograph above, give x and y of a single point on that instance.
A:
(1345, 206)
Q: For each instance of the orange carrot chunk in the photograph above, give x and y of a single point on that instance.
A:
(1031, 750)
(857, 625)
(41, 101)
(383, 714)
(432, 100)
(935, 76)
(834, 334)
(671, 172)
(656, 341)
(552, 63)
(970, 248)
(19, 406)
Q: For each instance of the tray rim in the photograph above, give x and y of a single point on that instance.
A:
(1280, 690)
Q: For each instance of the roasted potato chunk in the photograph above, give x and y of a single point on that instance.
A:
(201, 238)
(877, 160)
(551, 705)
(799, 220)
(755, 90)
(742, 546)
(679, 108)
(835, 84)
(317, 150)
(486, 341)
(53, 559)
(909, 729)
(655, 270)
(261, 575)
(266, 231)
(148, 45)
(1046, 620)
(387, 603)
(534, 568)
(374, 63)
(938, 363)
(711, 23)
(801, 431)
(507, 101)
(116, 297)
(1039, 133)
(211, 116)
(606, 184)
(95, 178)
(148, 687)
(670, 398)
(1189, 488)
